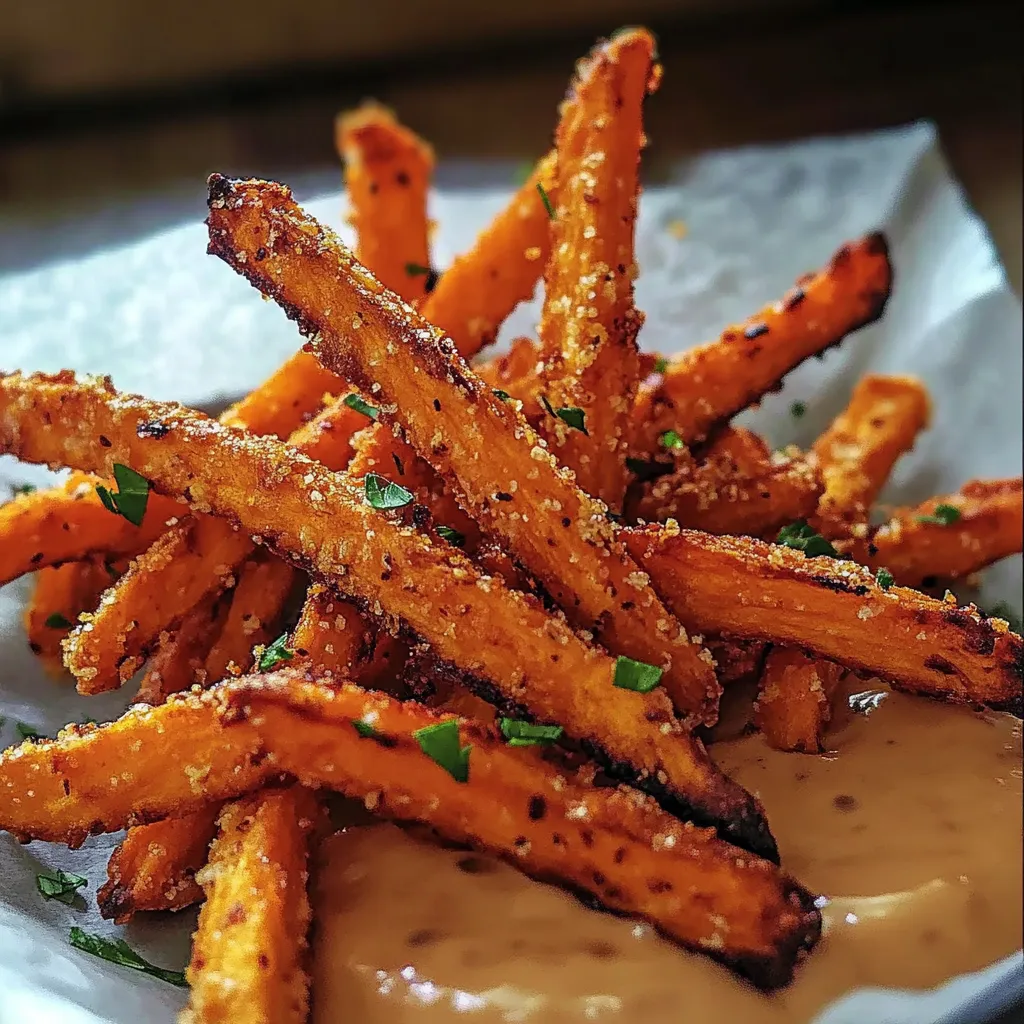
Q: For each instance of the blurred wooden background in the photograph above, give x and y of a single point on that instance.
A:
(112, 112)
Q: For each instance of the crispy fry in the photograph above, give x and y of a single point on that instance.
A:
(737, 660)
(169, 761)
(69, 524)
(249, 951)
(589, 324)
(479, 290)
(181, 658)
(387, 176)
(837, 610)
(794, 700)
(154, 867)
(859, 449)
(738, 907)
(516, 373)
(519, 655)
(708, 385)
(920, 551)
(61, 594)
(451, 417)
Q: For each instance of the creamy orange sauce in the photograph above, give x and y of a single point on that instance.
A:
(911, 825)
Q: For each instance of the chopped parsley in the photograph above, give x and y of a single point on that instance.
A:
(526, 734)
(117, 951)
(884, 578)
(442, 745)
(57, 621)
(277, 652)
(451, 535)
(636, 675)
(418, 270)
(546, 200)
(503, 395)
(21, 489)
(60, 885)
(660, 364)
(130, 498)
(364, 729)
(384, 494)
(944, 515)
(670, 439)
(28, 732)
(568, 414)
(797, 409)
(353, 401)
(802, 537)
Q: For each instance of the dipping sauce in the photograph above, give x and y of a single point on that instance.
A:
(911, 824)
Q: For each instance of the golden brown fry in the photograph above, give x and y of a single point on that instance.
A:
(61, 594)
(859, 449)
(477, 292)
(589, 324)
(451, 418)
(920, 551)
(69, 524)
(794, 700)
(837, 610)
(708, 385)
(737, 660)
(168, 761)
(387, 176)
(518, 655)
(250, 949)
(516, 373)
(180, 660)
(737, 907)
(154, 867)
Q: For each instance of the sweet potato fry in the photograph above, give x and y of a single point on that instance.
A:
(837, 610)
(708, 385)
(794, 700)
(859, 449)
(61, 594)
(69, 524)
(516, 373)
(170, 760)
(451, 417)
(519, 655)
(920, 548)
(387, 176)
(737, 660)
(249, 951)
(154, 867)
(181, 656)
(589, 325)
(739, 908)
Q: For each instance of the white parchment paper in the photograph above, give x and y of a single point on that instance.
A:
(168, 321)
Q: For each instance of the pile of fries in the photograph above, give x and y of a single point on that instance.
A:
(524, 580)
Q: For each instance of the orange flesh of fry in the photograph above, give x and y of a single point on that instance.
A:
(860, 448)
(387, 176)
(154, 867)
(68, 524)
(589, 324)
(760, 591)
(794, 700)
(253, 926)
(452, 418)
(520, 656)
(710, 384)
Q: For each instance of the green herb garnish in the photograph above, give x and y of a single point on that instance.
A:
(503, 395)
(364, 729)
(944, 515)
(28, 732)
(797, 409)
(383, 494)
(546, 200)
(353, 401)
(451, 535)
(117, 951)
(57, 621)
(802, 537)
(636, 675)
(884, 578)
(130, 498)
(19, 489)
(277, 652)
(571, 415)
(670, 439)
(660, 364)
(60, 885)
(441, 744)
(526, 734)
